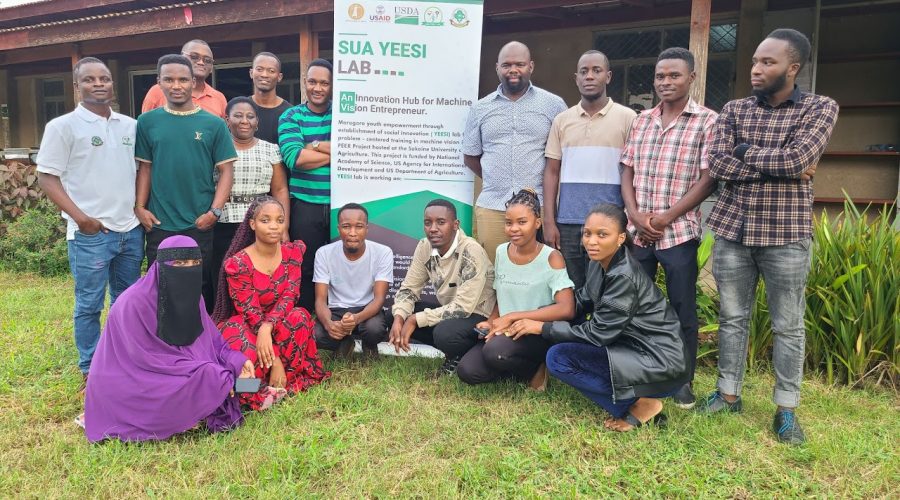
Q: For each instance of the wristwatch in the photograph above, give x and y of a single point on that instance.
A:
(216, 211)
(315, 145)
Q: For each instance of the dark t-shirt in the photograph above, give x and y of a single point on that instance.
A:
(268, 121)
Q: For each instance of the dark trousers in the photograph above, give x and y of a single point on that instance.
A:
(453, 337)
(311, 223)
(371, 331)
(502, 357)
(680, 265)
(573, 252)
(586, 368)
(204, 240)
(223, 234)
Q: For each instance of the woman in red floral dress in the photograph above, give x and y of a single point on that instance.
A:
(256, 306)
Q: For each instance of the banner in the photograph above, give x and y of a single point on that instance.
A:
(405, 76)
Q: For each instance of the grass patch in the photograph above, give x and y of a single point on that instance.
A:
(387, 429)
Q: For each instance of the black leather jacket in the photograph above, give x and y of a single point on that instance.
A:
(640, 330)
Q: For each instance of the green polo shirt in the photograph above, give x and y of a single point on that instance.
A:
(184, 151)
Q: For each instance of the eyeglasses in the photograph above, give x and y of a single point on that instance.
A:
(197, 57)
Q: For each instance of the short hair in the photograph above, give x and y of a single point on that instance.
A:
(81, 62)
(440, 202)
(353, 206)
(174, 59)
(322, 63)
(198, 42)
(239, 100)
(798, 45)
(595, 52)
(678, 53)
(268, 54)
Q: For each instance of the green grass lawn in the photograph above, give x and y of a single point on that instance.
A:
(388, 429)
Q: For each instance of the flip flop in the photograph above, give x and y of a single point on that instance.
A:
(79, 420)
(660, 420)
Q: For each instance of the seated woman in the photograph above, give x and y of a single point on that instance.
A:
(257, 172)
(161, 365)
(531, 283)
(255, 306)
(629, 354)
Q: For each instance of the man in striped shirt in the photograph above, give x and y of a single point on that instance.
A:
(304, 136)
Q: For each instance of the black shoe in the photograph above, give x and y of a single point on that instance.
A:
(787, 428)
(345, 348)
(449, 366)
(715, 403)
(685, 398)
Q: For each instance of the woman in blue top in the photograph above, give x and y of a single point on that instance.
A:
(531, 283)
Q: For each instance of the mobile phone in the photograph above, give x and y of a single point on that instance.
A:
(482, 333)
(243, 385)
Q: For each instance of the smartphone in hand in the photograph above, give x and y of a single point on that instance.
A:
(247, 385)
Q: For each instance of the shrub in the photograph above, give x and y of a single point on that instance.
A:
(36, 242)
(19, 191)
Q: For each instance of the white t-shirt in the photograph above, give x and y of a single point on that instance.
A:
(94, 159)
(352, 283)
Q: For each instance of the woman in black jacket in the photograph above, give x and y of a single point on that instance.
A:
(629, 354)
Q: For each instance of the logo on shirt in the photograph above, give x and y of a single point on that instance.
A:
(198, 136)
(126, 141)
(96, 141)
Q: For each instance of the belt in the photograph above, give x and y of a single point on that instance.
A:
(245, 198)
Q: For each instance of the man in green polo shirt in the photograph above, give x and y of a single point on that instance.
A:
(177, 147)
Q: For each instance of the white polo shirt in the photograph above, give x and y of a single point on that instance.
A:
(94, 159)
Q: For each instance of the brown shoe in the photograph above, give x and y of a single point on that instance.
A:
(83, 387)
(539, 379)
(345, 349)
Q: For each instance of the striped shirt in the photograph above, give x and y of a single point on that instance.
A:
(667, 163)
(589, 148)
(763, 201)
(298, 127)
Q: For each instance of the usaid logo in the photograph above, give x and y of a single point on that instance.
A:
(380, 15)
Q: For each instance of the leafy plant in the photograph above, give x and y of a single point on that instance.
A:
(36, 242)
(18, 191)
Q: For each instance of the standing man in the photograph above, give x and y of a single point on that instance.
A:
(203, 94)
(86, 167)
(178, 147)
(665, 177)
(765, 150)
(265, 73)
(458, 269)
(352, 279)
(582, 166)
(504, 140)
(304, 136)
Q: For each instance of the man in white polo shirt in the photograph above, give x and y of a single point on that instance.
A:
(86, 167)
(352, 276)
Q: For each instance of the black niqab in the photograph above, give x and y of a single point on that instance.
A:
(178, 304)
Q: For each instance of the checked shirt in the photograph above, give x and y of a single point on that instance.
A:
(667, 162)
(763, 201)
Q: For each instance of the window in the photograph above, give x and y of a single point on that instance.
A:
(633, 56)
(51, 100)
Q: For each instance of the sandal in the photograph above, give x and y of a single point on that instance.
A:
(660, 420)
(79, 420)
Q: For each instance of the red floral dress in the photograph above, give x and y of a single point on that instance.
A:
(260, 298)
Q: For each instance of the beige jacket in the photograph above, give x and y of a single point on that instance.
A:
(463, 281)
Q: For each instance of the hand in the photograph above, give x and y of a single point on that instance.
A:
(91, 226)
(660, 221)
(264, 352)
(206, 221)
(147, 219)
(277, 376)
(349, 322)
(247, 371)
(484, 324)
(335, 330)
(808, 174)
(551, 235)
(525, 327)
(401, 332)
(646, 231)
(394, 335)
(285, 237)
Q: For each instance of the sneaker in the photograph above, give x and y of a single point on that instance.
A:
(715, 403)
(449, 366)
(685, 398)
(787, 428)
(345, 348)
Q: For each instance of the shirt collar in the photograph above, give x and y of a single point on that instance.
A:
(90, 117)
(795, 97)
(602, 112)
(501, 94)
(434, 251)
(690, 108)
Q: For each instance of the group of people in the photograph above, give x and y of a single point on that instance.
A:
(579, 208)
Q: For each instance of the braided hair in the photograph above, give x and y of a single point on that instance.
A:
(528, 197)
(243, 238)
(615, 213)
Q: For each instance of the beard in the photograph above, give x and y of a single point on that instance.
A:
(773, 87)
(515, 89)
(351, 249)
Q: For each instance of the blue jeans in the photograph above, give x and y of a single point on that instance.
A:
(586, 368)
(97, 260)
(784, 269)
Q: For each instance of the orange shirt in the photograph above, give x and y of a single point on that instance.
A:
(211, 100)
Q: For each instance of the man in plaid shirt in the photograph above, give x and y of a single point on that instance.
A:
(665, 177)
(765, 150)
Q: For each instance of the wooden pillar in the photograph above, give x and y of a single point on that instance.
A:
(75, 55)
(5, 132)
(699, 45)
(309, 50)
(750, 27)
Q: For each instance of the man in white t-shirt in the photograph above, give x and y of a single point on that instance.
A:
(352, 276)
(86, 167)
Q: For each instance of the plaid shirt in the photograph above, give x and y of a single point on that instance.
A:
(667, 162)
(763, 201)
